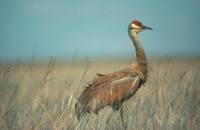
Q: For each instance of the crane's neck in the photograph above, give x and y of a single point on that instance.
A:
(141, 59)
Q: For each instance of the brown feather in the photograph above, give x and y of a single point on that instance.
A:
(105, 91)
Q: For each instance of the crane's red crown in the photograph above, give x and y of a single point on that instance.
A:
(137, 22)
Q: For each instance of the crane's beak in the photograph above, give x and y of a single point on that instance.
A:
(146, 28)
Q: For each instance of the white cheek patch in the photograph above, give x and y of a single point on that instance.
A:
(135, 26)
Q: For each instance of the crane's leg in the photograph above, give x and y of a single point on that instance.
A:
(122, 118)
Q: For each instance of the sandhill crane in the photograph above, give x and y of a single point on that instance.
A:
(114, 88)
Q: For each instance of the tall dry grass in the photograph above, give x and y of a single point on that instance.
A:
(42, 97)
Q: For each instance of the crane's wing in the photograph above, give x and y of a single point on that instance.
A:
(121, 83)
(124, 80)
(115, 77)
(126, 86)
(108, 89)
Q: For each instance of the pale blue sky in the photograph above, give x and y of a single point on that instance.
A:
(97, 28)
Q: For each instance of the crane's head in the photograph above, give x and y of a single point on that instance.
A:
(137, 26)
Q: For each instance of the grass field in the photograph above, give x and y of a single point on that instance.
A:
(42, 97)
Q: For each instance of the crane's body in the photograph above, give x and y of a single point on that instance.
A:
(115, 88)
(110, 89)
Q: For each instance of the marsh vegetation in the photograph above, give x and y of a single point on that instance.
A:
(42, 97)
